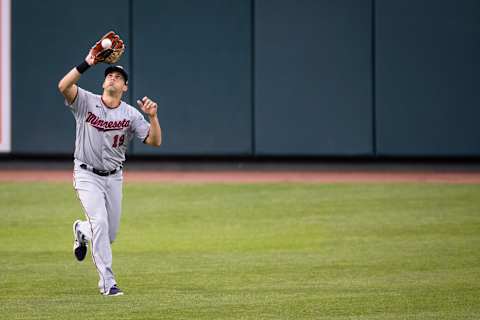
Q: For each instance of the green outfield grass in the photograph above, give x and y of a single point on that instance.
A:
(273, 251)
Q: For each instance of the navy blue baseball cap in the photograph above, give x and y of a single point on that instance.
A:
(118, 69)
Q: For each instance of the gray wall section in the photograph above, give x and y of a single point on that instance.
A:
(428, 100)
(49, 38)
(194, 57)
(313, 93)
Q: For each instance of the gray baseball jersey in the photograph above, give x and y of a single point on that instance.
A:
(103, 133)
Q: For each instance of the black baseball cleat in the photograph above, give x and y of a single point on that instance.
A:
(79, 243)
(114, 291)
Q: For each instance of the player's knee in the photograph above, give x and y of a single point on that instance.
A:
(101, 225)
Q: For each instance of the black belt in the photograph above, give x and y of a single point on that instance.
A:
(103, 173)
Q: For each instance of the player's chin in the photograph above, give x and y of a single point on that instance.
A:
(111, 89)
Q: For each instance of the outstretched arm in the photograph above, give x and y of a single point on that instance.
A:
(67, 86)
(155, 134)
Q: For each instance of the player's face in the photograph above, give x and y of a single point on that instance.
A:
(114, 82)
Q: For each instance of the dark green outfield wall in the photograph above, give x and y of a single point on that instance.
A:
(263, 77)
(427, 77)
(195, 58)
(313, 77)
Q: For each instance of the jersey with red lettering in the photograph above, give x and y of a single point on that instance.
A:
(103, 133)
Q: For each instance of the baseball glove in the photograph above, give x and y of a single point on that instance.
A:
(108, 55)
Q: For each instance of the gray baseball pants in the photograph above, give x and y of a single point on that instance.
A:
(101, 199)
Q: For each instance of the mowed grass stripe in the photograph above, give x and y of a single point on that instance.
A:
(272, 251)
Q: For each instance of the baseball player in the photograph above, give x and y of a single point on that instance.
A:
(104, 126)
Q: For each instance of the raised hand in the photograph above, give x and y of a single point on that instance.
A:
(148, 106)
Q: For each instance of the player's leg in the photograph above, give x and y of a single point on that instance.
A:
(91, 192)
(80, 178)
(113, 202)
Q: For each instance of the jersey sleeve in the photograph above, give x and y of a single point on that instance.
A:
(139, 126)
(79, 104)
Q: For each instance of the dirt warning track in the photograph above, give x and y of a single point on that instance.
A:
(253, 176)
